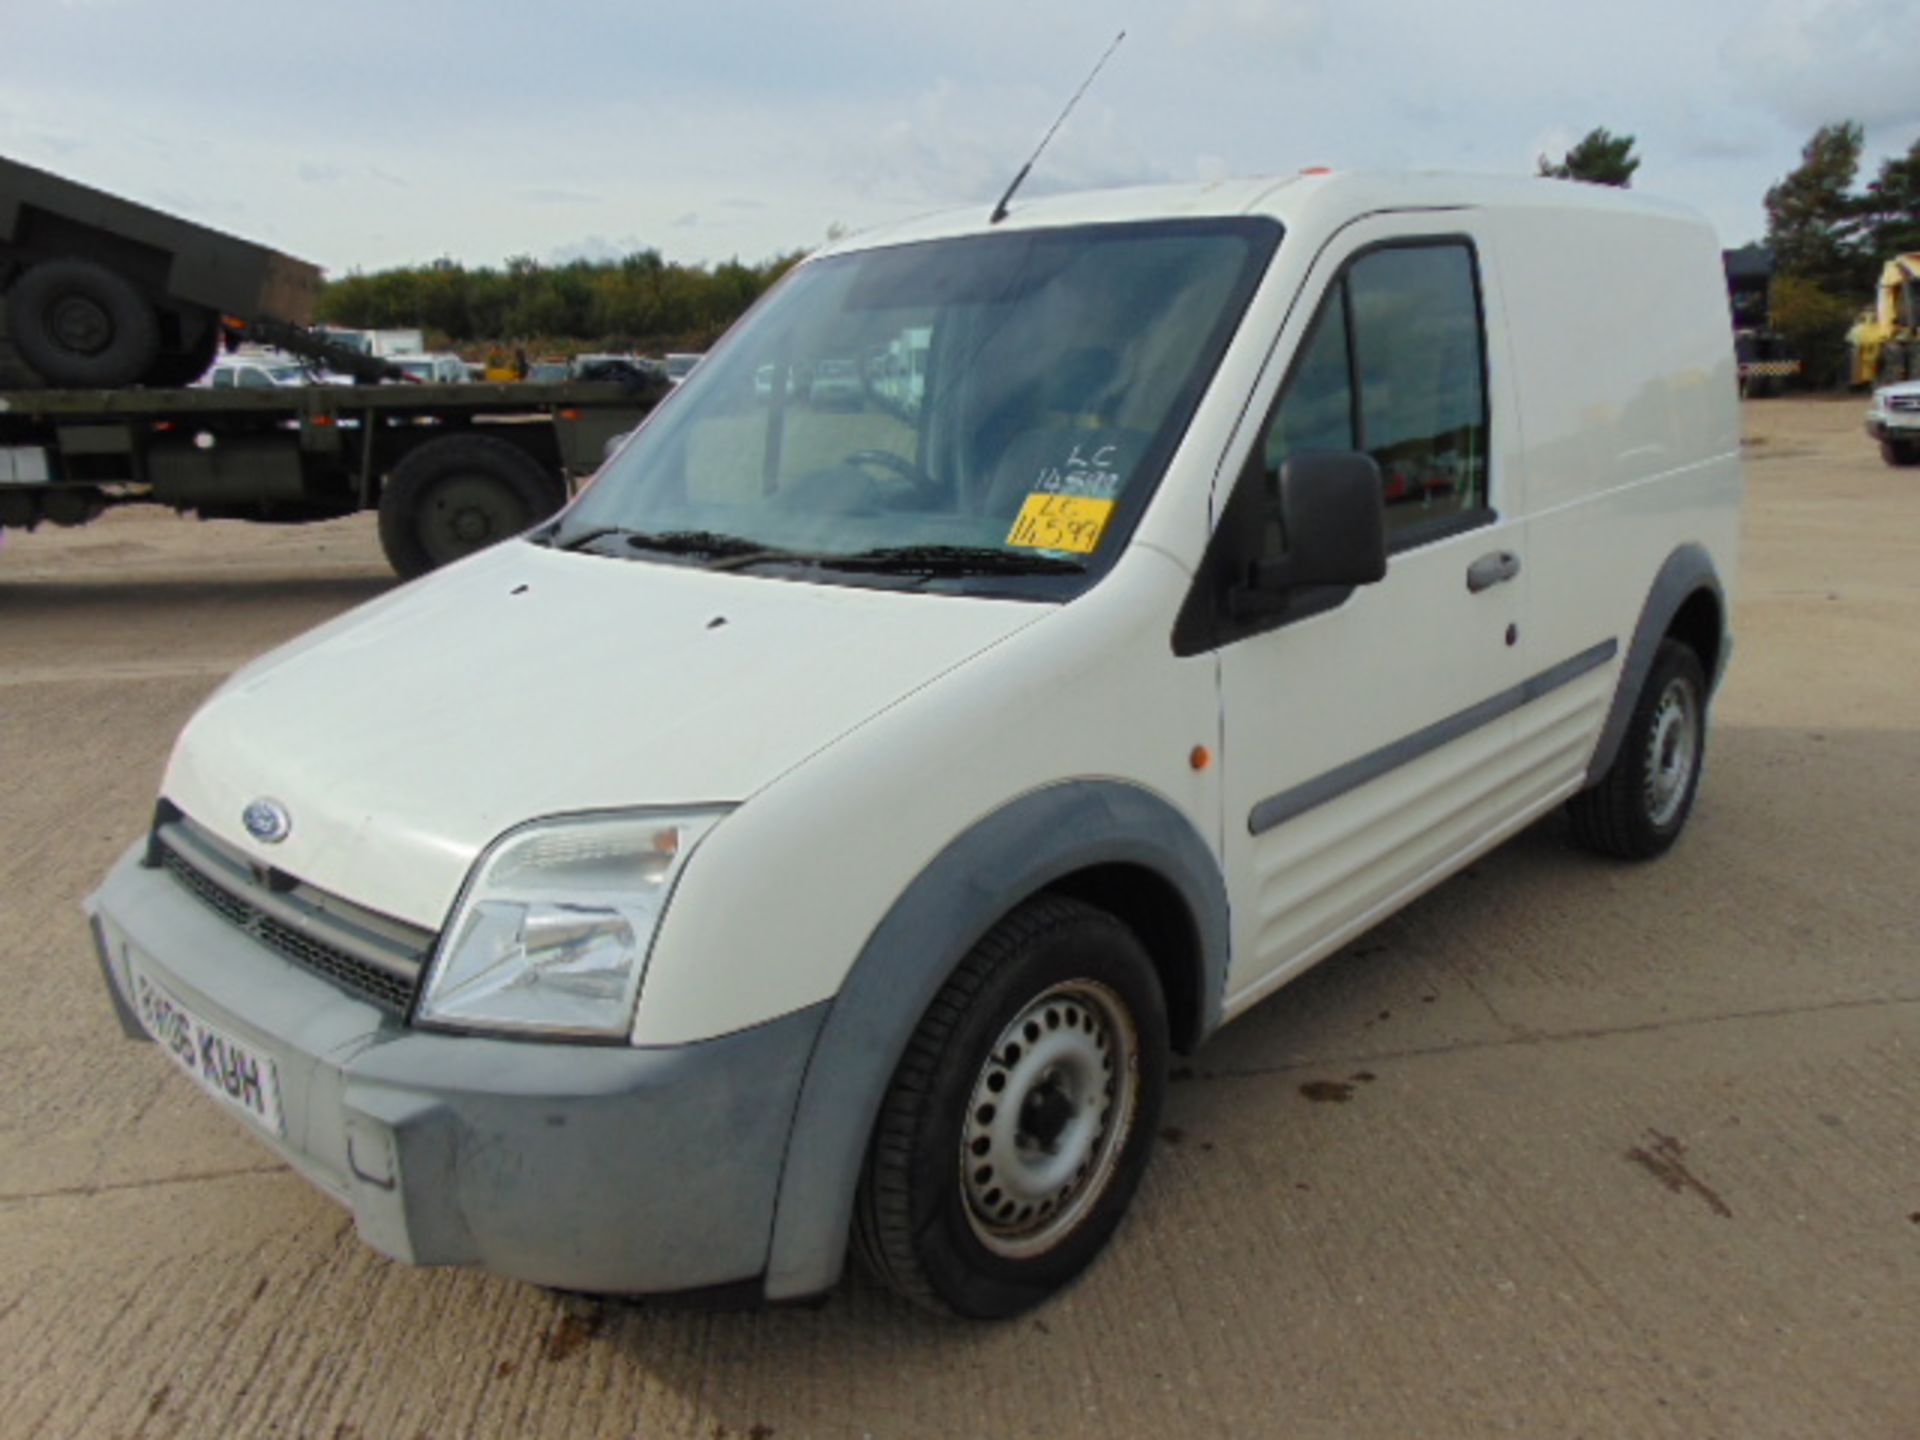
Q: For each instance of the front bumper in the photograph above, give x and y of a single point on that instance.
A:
(584, 1167)
(1894, 424)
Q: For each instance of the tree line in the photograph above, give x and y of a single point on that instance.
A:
(640, 302)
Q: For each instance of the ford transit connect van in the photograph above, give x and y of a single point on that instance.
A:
(827, 827)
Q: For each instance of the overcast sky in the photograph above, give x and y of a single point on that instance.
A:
(364, 133)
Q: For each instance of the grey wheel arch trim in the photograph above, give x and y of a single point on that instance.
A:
(1687, 571)
(1006, 858)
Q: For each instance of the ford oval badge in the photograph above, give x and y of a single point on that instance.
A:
(267, 821)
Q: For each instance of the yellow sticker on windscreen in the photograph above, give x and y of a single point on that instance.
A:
(1060, 522)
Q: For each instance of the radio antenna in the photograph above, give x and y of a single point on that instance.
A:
(1000, 210)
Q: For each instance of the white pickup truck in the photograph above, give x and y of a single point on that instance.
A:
(1894, 421)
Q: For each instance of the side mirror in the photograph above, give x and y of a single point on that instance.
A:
(1331, 512)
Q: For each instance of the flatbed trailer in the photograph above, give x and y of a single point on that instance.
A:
(450, 468)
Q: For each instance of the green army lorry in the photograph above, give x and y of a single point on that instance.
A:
(100, 292)
(112, 309)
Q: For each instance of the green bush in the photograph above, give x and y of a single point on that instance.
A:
(1814, 323)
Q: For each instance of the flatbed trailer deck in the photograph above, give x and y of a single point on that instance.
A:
(450, 468)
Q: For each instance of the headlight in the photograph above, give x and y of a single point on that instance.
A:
(553, 930)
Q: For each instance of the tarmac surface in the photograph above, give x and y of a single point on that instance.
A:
(1567, 1148)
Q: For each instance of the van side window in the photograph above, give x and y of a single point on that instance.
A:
(1395, 366)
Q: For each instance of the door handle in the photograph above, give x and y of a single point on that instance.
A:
(1491, 570)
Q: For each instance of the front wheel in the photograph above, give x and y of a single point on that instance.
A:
(1020, 1119)
(1900, 452)
(1641, 804)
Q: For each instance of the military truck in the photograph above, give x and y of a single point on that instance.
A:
(112, 308)
(101, 291)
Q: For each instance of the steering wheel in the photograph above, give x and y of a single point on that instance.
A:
(924, 487)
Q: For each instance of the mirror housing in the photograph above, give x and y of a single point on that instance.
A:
(1333, 517)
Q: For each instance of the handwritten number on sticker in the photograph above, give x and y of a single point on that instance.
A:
(1060, 522)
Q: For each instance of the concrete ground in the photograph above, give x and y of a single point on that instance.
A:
(1568, 1148)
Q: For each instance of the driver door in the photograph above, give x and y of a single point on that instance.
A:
(1367, 738)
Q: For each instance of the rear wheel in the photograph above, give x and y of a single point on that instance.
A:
(78, 323)
(1020, 1119)
(458, 495)
(1641, 804)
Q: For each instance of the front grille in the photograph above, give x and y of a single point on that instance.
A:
(382, 965)
(1903, 402)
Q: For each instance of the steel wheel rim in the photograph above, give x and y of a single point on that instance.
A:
(1673, 751)
(80, 325)
(465, 513)
(1048, 1118)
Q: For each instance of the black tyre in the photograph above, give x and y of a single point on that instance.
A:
(457, 495)
(81, 324)
(1641, 804)
(1900, 452)
(1021, 1117)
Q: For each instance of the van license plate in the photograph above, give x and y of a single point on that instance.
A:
(234, 1074)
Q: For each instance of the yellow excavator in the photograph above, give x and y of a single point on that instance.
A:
(1886, 343)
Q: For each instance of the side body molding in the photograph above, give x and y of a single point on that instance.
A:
(1009, 856)
(1687, 571)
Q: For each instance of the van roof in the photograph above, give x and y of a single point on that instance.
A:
(1303, 199)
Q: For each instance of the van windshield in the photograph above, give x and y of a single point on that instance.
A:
(985, 413)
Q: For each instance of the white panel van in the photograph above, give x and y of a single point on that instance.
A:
(828, 826)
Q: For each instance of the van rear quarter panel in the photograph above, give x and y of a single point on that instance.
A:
(1629, 413)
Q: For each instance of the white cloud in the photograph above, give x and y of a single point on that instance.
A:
(596, 248)
(1290, 32)
(954, 146)
(1815, 62)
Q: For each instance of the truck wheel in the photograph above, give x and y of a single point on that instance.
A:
(81, 324)
(1900, 452)
(456, 495)
(1021, 1117)
(1641, 804)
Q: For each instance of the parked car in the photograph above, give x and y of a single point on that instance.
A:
(632, 370)
(550, 372)
(1894, 421)
(848, 819)
(244, 372)
(439, 369)
(836, 384)
(679, 365)
(764, 381)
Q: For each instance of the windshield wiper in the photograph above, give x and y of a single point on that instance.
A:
(694, 542)
(664, 542)
(580, 541)
(952, 560)
(736, 552)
